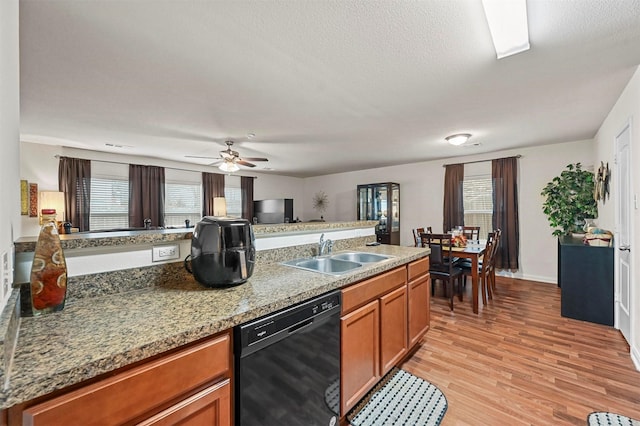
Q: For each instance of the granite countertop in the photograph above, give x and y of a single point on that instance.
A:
(82, 240)
(97, 335)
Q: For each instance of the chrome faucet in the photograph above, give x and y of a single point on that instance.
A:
(324, 245)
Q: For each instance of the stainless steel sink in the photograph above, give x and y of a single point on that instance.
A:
(325, 265)
(361, 257)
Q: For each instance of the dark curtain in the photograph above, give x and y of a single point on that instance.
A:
(74, 179)
(246, 189)
(212, 186)
(453, 203)
(504, 172)
(146, 195)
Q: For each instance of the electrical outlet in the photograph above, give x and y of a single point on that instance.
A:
(165, 252)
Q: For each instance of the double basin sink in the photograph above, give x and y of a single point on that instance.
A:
(336, 264)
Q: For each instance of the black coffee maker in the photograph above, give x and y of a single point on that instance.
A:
(222, 251)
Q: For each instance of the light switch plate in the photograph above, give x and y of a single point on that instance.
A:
(165, 252)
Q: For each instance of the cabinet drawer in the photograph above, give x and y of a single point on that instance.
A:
(211, 406)
(368, 290)
(417, 268)
(140, 390)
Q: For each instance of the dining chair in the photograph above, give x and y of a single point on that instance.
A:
(439, 269)
(416, 235)
(497, 234)
(471, 232)
(484, 269)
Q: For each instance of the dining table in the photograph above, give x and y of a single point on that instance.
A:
(474, 252)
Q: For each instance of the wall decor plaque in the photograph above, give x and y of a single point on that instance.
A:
(33, 200)
(24, 197)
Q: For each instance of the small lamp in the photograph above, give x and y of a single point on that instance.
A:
(219, 206)
(52, 200)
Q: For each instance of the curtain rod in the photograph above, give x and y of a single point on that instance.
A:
(172, 168)
(482, 161)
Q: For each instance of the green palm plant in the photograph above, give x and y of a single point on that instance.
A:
(569, 200)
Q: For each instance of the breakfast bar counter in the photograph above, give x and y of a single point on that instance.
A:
(96, 335)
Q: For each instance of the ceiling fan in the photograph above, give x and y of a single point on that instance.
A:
(230, 159)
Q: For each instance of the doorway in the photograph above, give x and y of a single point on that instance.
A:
(624, 265)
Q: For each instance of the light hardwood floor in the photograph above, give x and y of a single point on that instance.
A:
(518, 362)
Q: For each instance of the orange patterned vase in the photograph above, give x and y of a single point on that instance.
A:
(48, 272)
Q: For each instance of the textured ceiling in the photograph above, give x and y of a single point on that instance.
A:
(326, 86)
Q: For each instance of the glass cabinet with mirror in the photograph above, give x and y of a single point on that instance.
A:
(381, 202)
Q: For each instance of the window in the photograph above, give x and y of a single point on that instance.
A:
(109, 203)
(183, 201)
(182, 197)
(233, 196)
(478, 203)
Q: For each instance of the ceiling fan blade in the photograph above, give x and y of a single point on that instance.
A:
(216, 163)
(255, 159)
(199, 156)
(244, 163)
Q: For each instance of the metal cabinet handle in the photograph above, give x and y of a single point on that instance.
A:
(625, 248)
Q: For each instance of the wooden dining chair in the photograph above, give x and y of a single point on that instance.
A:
(439, 269)
(416, 235)
(497, 234)
(484, 269)
(471, 232)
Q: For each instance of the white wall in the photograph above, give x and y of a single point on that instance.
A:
(38, 164)
(9, 139)
(421, 197)
(626, 108)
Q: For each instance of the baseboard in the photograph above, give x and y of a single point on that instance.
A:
(528, 277)
(635, 357)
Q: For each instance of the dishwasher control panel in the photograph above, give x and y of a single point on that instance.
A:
(290, 319)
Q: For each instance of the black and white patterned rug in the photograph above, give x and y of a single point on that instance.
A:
(602, 418)
(401, 399)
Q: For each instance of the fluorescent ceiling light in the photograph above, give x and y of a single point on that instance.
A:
(507, 21)
(458, 139)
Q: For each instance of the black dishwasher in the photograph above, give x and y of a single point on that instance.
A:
(287, 366)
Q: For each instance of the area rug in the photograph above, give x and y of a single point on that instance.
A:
(602, 418)
(400, 399)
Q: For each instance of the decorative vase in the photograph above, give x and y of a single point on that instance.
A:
(48, 271)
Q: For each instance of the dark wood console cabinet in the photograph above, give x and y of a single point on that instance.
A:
(585, 276)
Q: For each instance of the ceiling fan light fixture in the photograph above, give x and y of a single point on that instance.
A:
(458, 139)
(508, 25)
(229, 167)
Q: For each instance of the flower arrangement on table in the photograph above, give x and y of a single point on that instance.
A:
(459, 241)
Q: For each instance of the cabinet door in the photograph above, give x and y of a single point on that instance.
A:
(133, 393)
(419, 304)
(393, 328)
(360, 353)
(211, 406)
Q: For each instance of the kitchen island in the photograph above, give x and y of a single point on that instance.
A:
(93, 336)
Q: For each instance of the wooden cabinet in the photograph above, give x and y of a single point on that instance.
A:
(586, 281)
(211, 406)
(382, 318)
(419, 299)
(393, 328)
(188, 385)
(381, 202)
(360, 353)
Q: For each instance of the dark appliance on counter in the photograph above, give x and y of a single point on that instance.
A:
(273, 211)
(287, 366)
(222, 251)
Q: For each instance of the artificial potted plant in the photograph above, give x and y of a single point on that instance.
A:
(569, 200)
